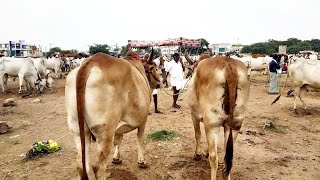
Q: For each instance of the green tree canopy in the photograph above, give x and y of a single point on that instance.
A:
(53, 51)
(96, 48)
(124, 50)
(69, 51)
(294, 45)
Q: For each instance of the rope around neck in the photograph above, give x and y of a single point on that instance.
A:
(140, 73)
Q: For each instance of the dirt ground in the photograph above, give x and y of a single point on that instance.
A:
(291, 151)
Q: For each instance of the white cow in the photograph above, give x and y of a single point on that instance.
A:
(259, 64)
(305, 75)
(23, 68)
(53, 64)
(313, 57)
(39, 63)
(78, 62)
(43, 71)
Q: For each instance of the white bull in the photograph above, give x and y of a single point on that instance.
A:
(78, 62)
(23, 68)
(43, 71)
(53, 64)
(259, 64)
(305, 75)
(39, 63)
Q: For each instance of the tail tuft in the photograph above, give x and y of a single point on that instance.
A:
(228, 156)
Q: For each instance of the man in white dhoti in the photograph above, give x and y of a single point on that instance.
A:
(175, 68)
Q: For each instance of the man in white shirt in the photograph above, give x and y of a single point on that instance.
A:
(175, 68)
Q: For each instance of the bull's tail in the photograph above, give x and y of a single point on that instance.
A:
(81, 82)
(231, 90)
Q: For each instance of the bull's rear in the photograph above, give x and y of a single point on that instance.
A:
(219, 97)
(107, 97)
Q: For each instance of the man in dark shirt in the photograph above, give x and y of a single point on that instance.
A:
(273, 68)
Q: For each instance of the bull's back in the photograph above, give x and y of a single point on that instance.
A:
(12, 66)
(106, 85)
(208, 88)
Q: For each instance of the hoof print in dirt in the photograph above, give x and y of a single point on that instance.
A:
(116, 161)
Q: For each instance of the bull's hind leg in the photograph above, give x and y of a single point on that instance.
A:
(121, 129)
(117, 142)
(296, 95)
(20, 83)
(74, 128)
(212, 128)
(302, 92)
(4, 80)
(104, 134)
(140, 136)
(197, 133)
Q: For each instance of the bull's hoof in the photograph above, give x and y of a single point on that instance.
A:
(308, 112)
(20, 92)
(296, 111)
(116, 161)
(143, 165)
(197, 157)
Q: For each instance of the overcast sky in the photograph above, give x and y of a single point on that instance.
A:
(76, 24)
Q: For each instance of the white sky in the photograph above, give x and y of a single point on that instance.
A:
(76, 24)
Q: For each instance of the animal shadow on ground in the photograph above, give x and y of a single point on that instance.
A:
(196, 170)
(311, 111)
(120, 174)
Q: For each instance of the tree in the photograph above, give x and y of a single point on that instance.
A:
(96, 48)
(53, 50)
(315, 44)
(292, 41)
(301, 46)
(72, 51)
(294, 45)
(124, 50)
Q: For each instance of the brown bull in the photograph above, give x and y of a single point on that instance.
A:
(105, 98)
(219, 93)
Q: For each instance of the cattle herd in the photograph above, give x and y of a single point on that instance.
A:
(35, 73)
(107, 97)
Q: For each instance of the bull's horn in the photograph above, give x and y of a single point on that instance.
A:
(39, 78)
(151, 56)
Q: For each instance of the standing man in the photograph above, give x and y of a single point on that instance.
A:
(274, 67)
(154, 92)
(175, 68)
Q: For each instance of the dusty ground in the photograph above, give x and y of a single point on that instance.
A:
(290, 152)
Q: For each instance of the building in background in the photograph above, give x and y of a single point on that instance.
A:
(19, 49)
(282, 49)
(225, 48)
